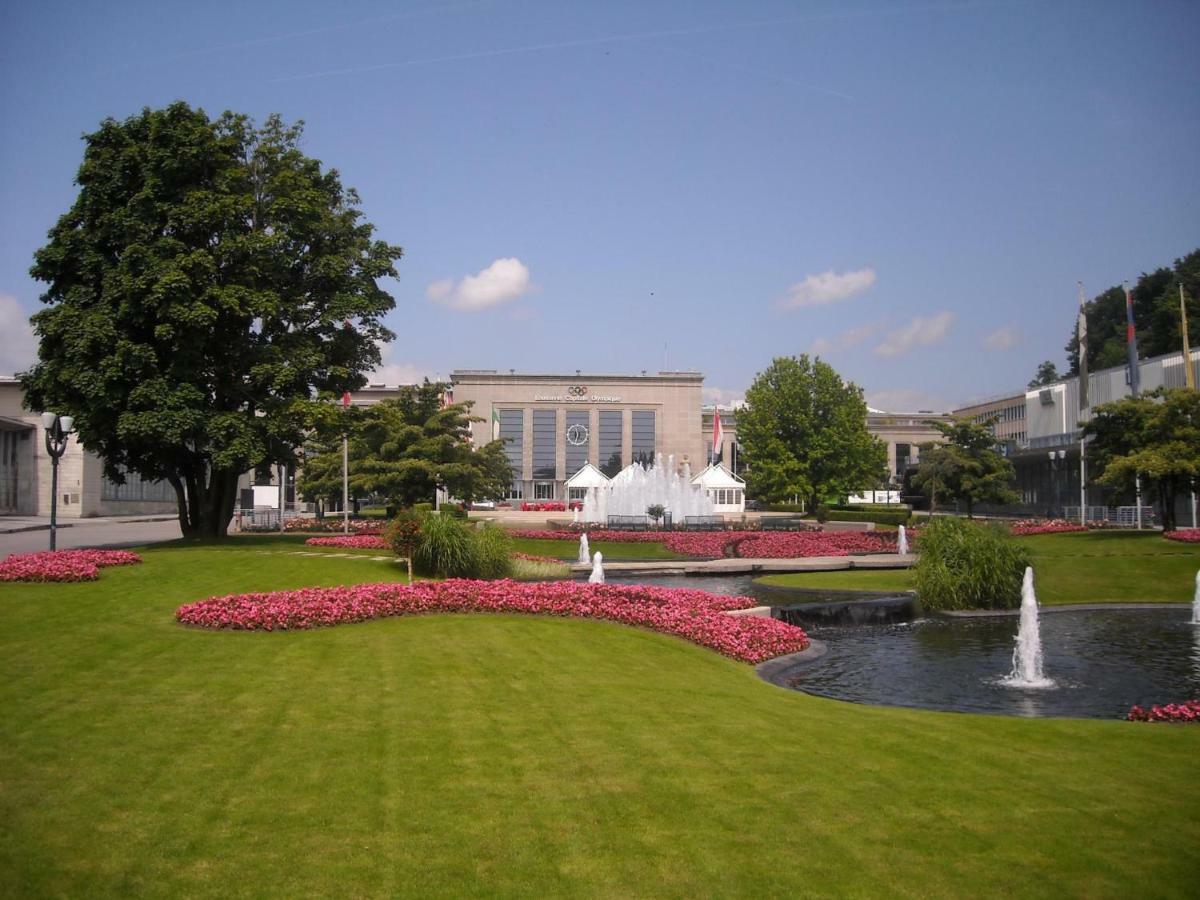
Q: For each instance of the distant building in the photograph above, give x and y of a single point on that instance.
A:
(83, 489)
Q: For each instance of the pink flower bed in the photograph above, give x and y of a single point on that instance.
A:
(333, 522)
(696, 616)
(743, 544)
(549, 506)
(63, 565)
(1045, 526)
(1187, 711)
(1184, 535)
(351, 541)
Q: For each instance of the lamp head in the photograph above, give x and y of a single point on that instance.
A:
(68, 422)
(48, 420)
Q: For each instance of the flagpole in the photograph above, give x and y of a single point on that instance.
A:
(345, 469)
(1084, 403)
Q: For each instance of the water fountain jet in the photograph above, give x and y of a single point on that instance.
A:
(1027, 655)
(597, 576)
(584, 556)
(902, 541)
(1196, 602)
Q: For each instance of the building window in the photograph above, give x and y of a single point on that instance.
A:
(544, 436)
(643, 436)
(577, 494)
(515, 491)
(578, 439)
(611, 441)
(136, 489)
(512, 432)
(543, 490)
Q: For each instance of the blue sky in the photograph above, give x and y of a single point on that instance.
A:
(911, 190)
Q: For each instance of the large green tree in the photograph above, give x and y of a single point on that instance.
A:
(804, 432)
(208, 284)
(1155, 312)
(404, 449)
(1154, 437)
(966, 467)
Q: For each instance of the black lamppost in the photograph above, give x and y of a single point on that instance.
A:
(57, 429)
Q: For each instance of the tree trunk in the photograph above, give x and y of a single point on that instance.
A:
(1166, 500)
(211, 502)
(185, 524)
(970, 508)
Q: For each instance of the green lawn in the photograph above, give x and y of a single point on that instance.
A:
(520, 757)
(612, 550)
(1092, 567)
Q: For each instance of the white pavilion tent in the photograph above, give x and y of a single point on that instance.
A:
(728, 491)
(587, 477)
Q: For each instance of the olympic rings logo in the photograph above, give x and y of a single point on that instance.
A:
(577, 390)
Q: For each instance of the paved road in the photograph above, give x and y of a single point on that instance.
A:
(90, 533)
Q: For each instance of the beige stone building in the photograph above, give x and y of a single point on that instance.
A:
(553, 425)
(83, 490)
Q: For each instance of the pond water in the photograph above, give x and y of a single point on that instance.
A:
(1102, 661)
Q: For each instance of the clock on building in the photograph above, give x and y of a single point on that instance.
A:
(577, 435)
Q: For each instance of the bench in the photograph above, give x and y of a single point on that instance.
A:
(784, 523)
(629, 523)
(703, 523)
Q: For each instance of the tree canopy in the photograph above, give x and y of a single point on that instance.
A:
(208, 285)
(966, 467)
(403, 450)
(1155, 313)
(1155, 436)
(1047, 373)
(804, 432)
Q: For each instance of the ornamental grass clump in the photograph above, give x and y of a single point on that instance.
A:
(964, 565)
(445, 549)
(492, 549)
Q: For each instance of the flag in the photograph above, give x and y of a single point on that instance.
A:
(1081, 334)
(1135, 377)
(345, 399)
(495, 424)
(717, 435)
(1189, 377)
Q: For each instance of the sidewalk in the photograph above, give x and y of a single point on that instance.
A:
(18, 524)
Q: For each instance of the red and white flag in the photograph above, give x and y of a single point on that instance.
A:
(717, 435)
(345, 400)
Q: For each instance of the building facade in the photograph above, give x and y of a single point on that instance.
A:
(83, 489)
(554, 425)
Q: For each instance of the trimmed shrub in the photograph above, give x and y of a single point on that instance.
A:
(964, 565)
(403, 533)
(889, 516)
(446, 549)
(492, 549)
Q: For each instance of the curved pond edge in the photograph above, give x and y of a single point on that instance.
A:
(779, 670)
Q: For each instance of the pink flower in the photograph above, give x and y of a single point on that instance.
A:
(63, 565)
(1187, 711)
(352, 541)
(696, 616)
(1184, 535)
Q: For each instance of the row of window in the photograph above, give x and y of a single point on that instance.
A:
(577, 438)
(726, 496)
(137, 489)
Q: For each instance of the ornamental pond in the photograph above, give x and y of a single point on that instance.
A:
(882, 650)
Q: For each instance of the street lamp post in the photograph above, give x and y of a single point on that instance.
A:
(57, 429)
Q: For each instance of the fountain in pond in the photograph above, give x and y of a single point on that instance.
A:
(584, 556)
(597, 576)
(902, 542)
(1027, 655)
(636, 487)
(1196, 602)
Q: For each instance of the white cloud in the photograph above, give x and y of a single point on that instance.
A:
(906, 400)
(1003, 338)
(715, 396)
(18, 346)
(828, 287)
(397, 373)
(920, 332)
(846, 340)
(504, 280)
